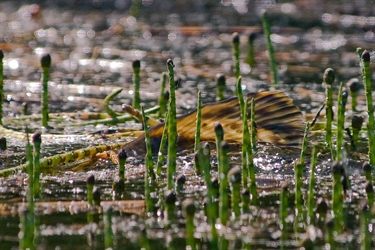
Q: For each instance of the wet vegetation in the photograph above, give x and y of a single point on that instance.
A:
(101, 146)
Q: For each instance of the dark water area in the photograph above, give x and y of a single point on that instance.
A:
(93, 44)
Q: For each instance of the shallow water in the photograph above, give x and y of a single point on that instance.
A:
(93, 44)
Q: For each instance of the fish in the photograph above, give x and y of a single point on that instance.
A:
(278, 121)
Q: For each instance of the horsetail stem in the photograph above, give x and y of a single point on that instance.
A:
(172, 126)
(357, 122)
(253, 125)
(37, 141)
(236, 53)
(211, 209)
(370, 108)
(328, 79)
(283, 210)
(122, 160)
(164, 96)
(136, 81)
(148, 161)
(343, 97)
(234, 178)
(251, 52)
(271, 53)
(164, 139)
(90, 189)
(219, 132)
(1, 85)
(370, 194)
(365, 220)
(30, 173)
(223, 199)
(45, 62)
(311, 194)
(106, 101)
(221, 83)
(198, 130)
(108, 233)
(354, 87)
(330, 235)
(170, 203)
(245, 201)
(337, 194)
(188, 209)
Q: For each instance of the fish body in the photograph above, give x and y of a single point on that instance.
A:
(278, 121)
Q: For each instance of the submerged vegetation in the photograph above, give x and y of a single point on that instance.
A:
(200, 184)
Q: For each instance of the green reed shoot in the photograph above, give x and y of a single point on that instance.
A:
(365, 220)
(164, 139)
(188, 209)
(224, 192)
(245, 201)
(204, 161)
(1, 85)
(45, 62)
(357, 121)
(312, 181)
(234, 178)
(367, 170)
(236, 53)
(283, 210)
(370, 107)
(164, 95)
(96, 196)
(148, 161)
(250, 59)
(253, 126)
(122, 160)
(330, 233)
(180, 182)
(198, 130)
(271, 52)
(27, 229)
(354, 87)
(90, 189)
(337, 194)
(108, 233)
(343, 97)
(219, 132)
(106, 101)
(370, 194)
(221, 83)
(172, 126)
(170, 203)
(118, 188)
(37, 141)
(137, 83)
(328, 79)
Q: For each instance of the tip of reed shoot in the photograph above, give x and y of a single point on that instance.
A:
(366, 56)
(357, 122)
(96, 196)
(1, 55)
(234, 175)
(252, 36)
(170, 63)
(37, 137)
(337, 168)
(329, 76)
(219, 128)
(220, 78)
(369, 188)
(90, 180)
(136, 64)
(188, 207)
(122, 154)
(354, 85)
(170, 197)
(3, 143)
(322, 207)
(236, 38)
(45, 61)
(180, 179)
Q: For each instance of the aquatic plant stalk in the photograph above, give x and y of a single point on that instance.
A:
(137, 82)
(109, 98)
(219, 133)
(164, 96)
(122, 160)
(198, 130)
(271, 52)
(250, 59)
(337, 195)
(283, 206)
(1, 85)
(172, 127)
(367, 170)
(312, 181)
(354, 86)
(370, 194)
(224, 187)
(236, 53)
(221, 83)
(189, 208)
(161, 153)
(37, 141)
(46, 64)
(170, 203)
(148, 160)
(370, 107)
(343, 97)
(328, 79)
(234, 178)
(365, 234)
(357, 122)
(90, 190)
(108, 233)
